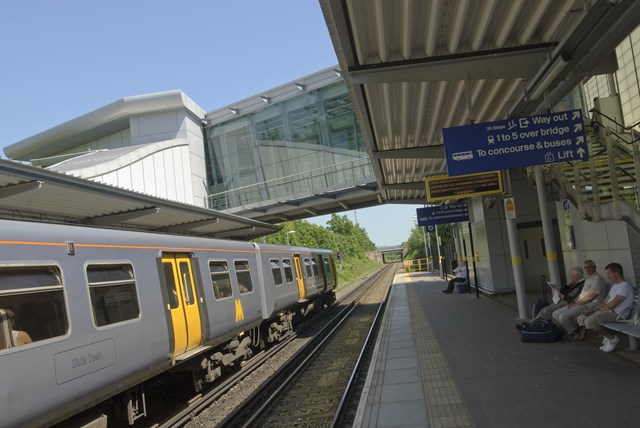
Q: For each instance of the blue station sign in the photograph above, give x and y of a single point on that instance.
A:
(516, 143)
(443, 214)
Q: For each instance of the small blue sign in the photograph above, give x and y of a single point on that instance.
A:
(515, 143)
(443, 214)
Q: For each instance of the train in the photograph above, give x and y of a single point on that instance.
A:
(88, 315)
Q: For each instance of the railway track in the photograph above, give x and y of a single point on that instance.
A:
(318, 387)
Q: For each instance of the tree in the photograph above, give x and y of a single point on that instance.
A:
(352, 239)
(415, 244)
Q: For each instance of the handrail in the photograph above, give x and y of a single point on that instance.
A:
(614, 121)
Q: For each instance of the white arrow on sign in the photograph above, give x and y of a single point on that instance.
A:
(575, 115)
(581, 152)
(577, 127)
(579, 140)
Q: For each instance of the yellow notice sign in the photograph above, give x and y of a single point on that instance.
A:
(510, 208)
(443, 187)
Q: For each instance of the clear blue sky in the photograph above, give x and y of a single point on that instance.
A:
(64, 58)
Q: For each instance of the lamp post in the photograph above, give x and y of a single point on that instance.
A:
(287, 235)
(424, 239)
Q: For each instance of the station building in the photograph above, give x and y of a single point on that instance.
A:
(297, 151)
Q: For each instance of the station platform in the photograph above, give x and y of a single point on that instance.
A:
(454, 360)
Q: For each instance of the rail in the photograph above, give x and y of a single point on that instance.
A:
(325, 179)
(261, 402)
(360, 366)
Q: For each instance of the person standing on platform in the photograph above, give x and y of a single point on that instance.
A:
(595, 287)
(461, 276)
(617, 305)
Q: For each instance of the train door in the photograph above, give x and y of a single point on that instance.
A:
(183, 302)
(299, 277)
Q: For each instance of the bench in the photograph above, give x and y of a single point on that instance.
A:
(630, 327)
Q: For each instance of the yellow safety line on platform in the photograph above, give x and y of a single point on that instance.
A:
(446, 407)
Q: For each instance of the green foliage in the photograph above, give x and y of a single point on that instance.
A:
(415, 243)
(353, 268)
(341, 235)
(353, 240)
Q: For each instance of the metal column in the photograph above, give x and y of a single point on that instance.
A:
(547, 228)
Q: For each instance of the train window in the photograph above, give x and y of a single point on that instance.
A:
(185, 272)
(314, 265)
(307, 265)
(275, 271)
(327, 269)
(32, 305)
(113, 294)
(220, 279)
(243, 275)
(288, 273)
(172, 289)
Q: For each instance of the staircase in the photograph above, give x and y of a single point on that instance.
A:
(607, 185)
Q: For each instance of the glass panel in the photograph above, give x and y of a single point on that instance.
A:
(16, 278)
(307, 265)
(309, 143)
(243, 275)
(288, 273)
(186, 283)
(172, 290)
(220, 279)
(275, 271)
(113, 294)
(27, 312)
(315, 268)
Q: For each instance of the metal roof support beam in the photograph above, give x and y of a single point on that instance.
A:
(250, 231)
(189, 226)
(16, 189)
(110, 219)
(508, 63)
(311, 211)
(343, 205)
(433, 151)
(416, 185)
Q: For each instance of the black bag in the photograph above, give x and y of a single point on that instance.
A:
(539, 331)
(537, 306)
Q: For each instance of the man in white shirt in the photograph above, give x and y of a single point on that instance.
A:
(592, 293)
(617, 305)
(461, 276)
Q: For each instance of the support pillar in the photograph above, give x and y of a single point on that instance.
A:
(547, 227)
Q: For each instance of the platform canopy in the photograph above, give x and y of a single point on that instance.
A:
(29, 193)
(414, 67)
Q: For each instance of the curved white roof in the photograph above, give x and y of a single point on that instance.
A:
(99, 123)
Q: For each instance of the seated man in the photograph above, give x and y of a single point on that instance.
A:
(592, 293)
(567, 294)
(19, 337)
(617, 305)
(461, 276)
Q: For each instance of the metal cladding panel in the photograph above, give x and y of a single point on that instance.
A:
(415, 67)
(29, 193)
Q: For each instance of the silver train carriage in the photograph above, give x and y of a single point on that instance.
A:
(88, 314)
